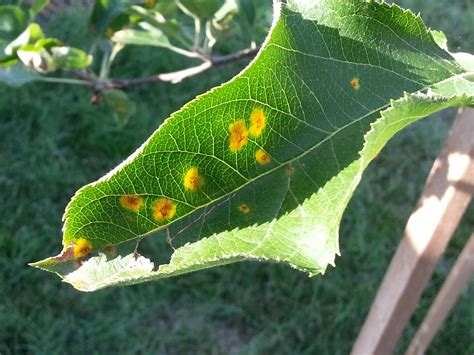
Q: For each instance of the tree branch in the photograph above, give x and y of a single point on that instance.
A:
(173, 77)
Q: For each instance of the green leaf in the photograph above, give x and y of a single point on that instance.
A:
(12, 22)
(204, 9)
(226, 11)
(221, 26)
(153, 37)
(263, 167)
(165, 7)
(48, 43)
(247, 8)
(70, 58)
(155, 19)
(37, 6)
(17, 75)
(465, 60)
(36, 58)
(38, 55)
(31, 35)
(109, 14)
(123, 108)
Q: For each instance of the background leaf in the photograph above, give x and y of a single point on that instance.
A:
(71, 58)
(17, 75)
(37, 6)
(30, 35)
(12, 23)
(108, 14)
(204, 9)
(153, 37)
(159, 25)
(121, 105)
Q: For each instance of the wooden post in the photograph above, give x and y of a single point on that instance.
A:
(460, 274)
(446, 195)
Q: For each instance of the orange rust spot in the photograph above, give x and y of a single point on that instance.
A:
(149, 3)
(262, 157)
(82, 248)
(244, 208)
(355, 83)
(239, 135)
(257, 122)
(163, 209)
(131, 202)
(192, 180)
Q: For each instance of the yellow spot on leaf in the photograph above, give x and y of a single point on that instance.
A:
(238, 135)
(192, 180)
(257, 122)
(131, 202)
(82, 248)
(355, 83)
(262, 157)
(289, 169)
(163, 209)
(244, 208)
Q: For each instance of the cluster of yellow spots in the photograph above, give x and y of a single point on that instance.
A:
(131, 202)
(355, 83)
(82, 248)
(239, 135)
(163, 209)
(192, 180)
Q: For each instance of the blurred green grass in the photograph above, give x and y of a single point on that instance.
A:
(52, 142)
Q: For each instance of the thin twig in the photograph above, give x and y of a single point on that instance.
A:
(50, 79)
(85, 75)
(173, 77)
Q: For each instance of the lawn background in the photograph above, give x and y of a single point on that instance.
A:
(52, 141)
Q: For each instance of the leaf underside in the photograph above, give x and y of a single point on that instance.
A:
(263, 167)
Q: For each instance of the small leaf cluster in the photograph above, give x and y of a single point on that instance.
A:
(22, 41)
(162, 24)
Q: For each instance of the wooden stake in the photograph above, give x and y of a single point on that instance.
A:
(460, 274)
(447, 193)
